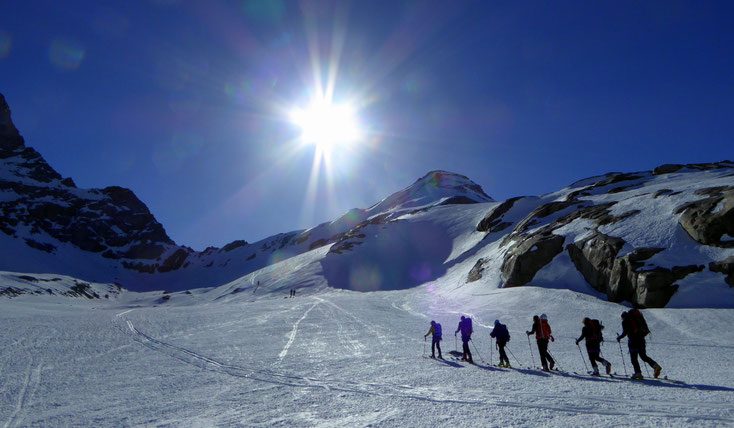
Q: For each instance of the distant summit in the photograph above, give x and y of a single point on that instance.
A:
(435, 188)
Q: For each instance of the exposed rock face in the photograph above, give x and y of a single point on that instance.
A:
(670, 168)
(623, 278)
(234, 244)
(492, 222)
(537, 235)
(528, 253)
(111, 221)
(475, 274)
(595, 259)
(10, 139)
(524, 260)
(726, 267)
(708, 220)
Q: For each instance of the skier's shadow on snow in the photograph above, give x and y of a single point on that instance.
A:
(589, 378)
(451, 363)
(699, 387)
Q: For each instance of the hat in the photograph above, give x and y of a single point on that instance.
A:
(433, 322)
(543, 316)
(496, 322)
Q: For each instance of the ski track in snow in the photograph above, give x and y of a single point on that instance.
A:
(25, 396)
(592, 406)
(294, 332)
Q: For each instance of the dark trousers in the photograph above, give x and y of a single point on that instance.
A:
(637, 347)
(545, 357)
(467, 352)
(436, 344)
(503, 356)
(594, 356)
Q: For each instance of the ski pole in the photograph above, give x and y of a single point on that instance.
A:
(622, 355)
(477, 351)
(582, 357)
(531, 350)
(456, 344)
(491, 348)
(424, 346)
(646, 369)
(513, 356)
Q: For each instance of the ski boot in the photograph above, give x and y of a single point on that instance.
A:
(609, 368)
(637, 376)
(658, 369)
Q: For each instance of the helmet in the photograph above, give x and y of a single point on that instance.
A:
(462, 317)
(496, 322)
(543, 316)
(433, 322)
(624, 315)
(586, 320)
(535, 318)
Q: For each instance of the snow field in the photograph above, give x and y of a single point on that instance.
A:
(335, 358)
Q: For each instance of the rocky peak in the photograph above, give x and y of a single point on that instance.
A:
(45, 210)
(10, 138)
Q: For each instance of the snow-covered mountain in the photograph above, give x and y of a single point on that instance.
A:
(105, 235)
(656, 238)
(80, 349)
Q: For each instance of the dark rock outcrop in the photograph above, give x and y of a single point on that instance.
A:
(530, 255)
(10, 138)
(625, 278)
(726, 267)
(234, 244)
(666, 169)
(475, 274)
(111, 221)
(708, 220)
(492, 222)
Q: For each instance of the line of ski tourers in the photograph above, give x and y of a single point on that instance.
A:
(634, 327)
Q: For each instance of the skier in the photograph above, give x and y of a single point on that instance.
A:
(502, 336)
(592, 333)
(466, 331)
(436, 343)
(635, 328)
(542, 331)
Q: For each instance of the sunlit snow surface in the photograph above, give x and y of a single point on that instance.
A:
(343, 358)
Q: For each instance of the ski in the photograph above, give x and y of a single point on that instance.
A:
(663, 379)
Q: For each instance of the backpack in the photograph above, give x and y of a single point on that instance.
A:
(501, 333)
(596, 328)
(639, 325)
(544, 330)
(437, 331)
(466, 329)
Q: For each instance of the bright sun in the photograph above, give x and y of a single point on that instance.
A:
(327, 125)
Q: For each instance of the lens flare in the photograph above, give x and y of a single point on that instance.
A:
(5, 44)
(66, 54)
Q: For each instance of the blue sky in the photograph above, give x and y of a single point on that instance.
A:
(185, 102)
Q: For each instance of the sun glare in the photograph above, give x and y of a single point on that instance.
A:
(327, 125)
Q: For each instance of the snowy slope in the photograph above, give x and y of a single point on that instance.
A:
(335, 358)
(244, 354)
